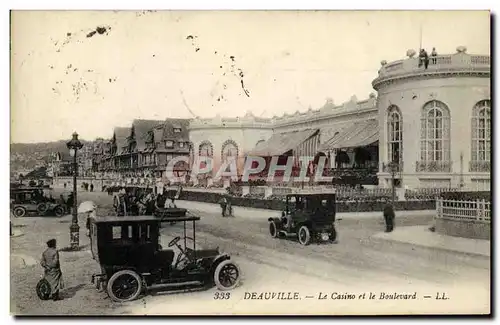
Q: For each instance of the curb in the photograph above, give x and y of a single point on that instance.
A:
(375, 238)
(340, 215)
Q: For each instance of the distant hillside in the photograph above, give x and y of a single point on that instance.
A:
(42, 147)
(31, 148)
(34, 155)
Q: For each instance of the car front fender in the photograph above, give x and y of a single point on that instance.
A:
(276, 220)
(217, 260)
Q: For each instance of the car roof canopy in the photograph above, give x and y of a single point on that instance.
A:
(139, 219)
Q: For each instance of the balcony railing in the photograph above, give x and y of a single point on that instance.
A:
(447, 63)
(387, 168)
(480, 166)
(433, 166)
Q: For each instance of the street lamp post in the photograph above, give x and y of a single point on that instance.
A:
(74, 145)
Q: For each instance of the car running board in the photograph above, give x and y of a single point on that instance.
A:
(288, 234)
(176, 284)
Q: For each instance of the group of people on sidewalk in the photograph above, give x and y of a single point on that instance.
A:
(141, 202)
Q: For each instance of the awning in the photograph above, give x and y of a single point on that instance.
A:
(358, 134)
(281, 143)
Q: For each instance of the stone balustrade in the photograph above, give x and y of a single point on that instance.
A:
(459, 62)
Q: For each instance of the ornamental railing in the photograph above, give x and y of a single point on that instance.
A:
(450, 63)
(433, 166)
(387, 168)
(480, 166)
(476, 211)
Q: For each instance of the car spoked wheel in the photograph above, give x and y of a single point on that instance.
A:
(19, 212)
(124, 285)
(304, 236)
(272, 229)
(227, 275)
(42, 208)
(59, 211)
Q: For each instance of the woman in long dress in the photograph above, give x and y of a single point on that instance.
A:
(53, 274)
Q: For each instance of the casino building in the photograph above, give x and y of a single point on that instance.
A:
(429, 126)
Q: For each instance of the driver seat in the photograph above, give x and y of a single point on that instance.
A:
(164, 258)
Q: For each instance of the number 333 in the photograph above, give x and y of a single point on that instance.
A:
(222, 295)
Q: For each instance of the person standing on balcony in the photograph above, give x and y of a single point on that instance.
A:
(434, 55)
(423, 58)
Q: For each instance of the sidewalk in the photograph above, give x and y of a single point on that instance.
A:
(244, 212)
(422, 236)
(21, 261)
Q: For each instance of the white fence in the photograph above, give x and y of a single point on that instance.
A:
(477, 211)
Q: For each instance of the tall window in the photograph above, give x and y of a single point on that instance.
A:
(435, 137)
(206, 149)
(481, 135)
(229, 149)
(395, 134)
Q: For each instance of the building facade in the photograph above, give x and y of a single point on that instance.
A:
(435, 122)
(428, 126)
(224, 138)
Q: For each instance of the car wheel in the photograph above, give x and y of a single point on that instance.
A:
(227, 275)
(304, 236)
(43, 289)
(273, 229)
(124, 285)
(42, 208)
(59, 211)
(333, 234)
(19, 212)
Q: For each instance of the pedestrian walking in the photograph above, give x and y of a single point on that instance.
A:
(389, 217)
(223, 204)
(91, 187)
(52, 268)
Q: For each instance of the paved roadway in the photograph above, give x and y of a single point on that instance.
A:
(357, 264)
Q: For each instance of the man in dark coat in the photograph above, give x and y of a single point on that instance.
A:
(69, 202)
(52, 268)
(389, 217)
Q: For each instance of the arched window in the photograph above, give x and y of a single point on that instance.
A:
(206, 149)
(435, 138)
(229, 149)
(394, 135)
(481, 137)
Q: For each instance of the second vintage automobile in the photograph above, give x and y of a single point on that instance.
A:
(31, 200)
(309, 217)
(132, 260)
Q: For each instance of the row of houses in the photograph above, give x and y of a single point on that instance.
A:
(143, 149)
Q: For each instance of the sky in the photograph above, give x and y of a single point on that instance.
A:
(67, 75)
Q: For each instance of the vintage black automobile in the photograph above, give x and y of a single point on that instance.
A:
(312, 217)
(132, 260)
(30, 200)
